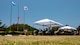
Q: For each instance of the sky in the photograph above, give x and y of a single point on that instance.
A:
(62, 11)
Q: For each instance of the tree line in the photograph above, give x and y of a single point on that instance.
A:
(6, 29)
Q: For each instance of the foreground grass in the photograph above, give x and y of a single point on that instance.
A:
(40, 40)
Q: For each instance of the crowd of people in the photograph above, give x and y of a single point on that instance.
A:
(43, 32)
(53, 32)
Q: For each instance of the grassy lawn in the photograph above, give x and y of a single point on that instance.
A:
(39, 40)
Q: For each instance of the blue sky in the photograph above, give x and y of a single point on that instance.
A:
(63, 11)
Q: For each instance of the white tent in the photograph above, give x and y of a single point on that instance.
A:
(47, 22)
(68, 27)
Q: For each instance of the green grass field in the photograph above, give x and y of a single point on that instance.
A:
(39, 40)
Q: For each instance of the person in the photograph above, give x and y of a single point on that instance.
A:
(35, 32)
(26, 32)
(40, 32)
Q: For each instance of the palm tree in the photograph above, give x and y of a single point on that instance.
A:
(3, 28)
(2, 25)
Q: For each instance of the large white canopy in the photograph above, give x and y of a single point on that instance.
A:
(47, 22)
(68, 27)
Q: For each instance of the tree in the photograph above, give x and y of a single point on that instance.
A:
(2, 25)
(66, 25)
(21, 28)
(3, 28)
(78, 28)
(55, 28)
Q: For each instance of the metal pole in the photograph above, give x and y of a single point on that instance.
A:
(24, 21)
(10, 17)
(18, 18)
(25, 9)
